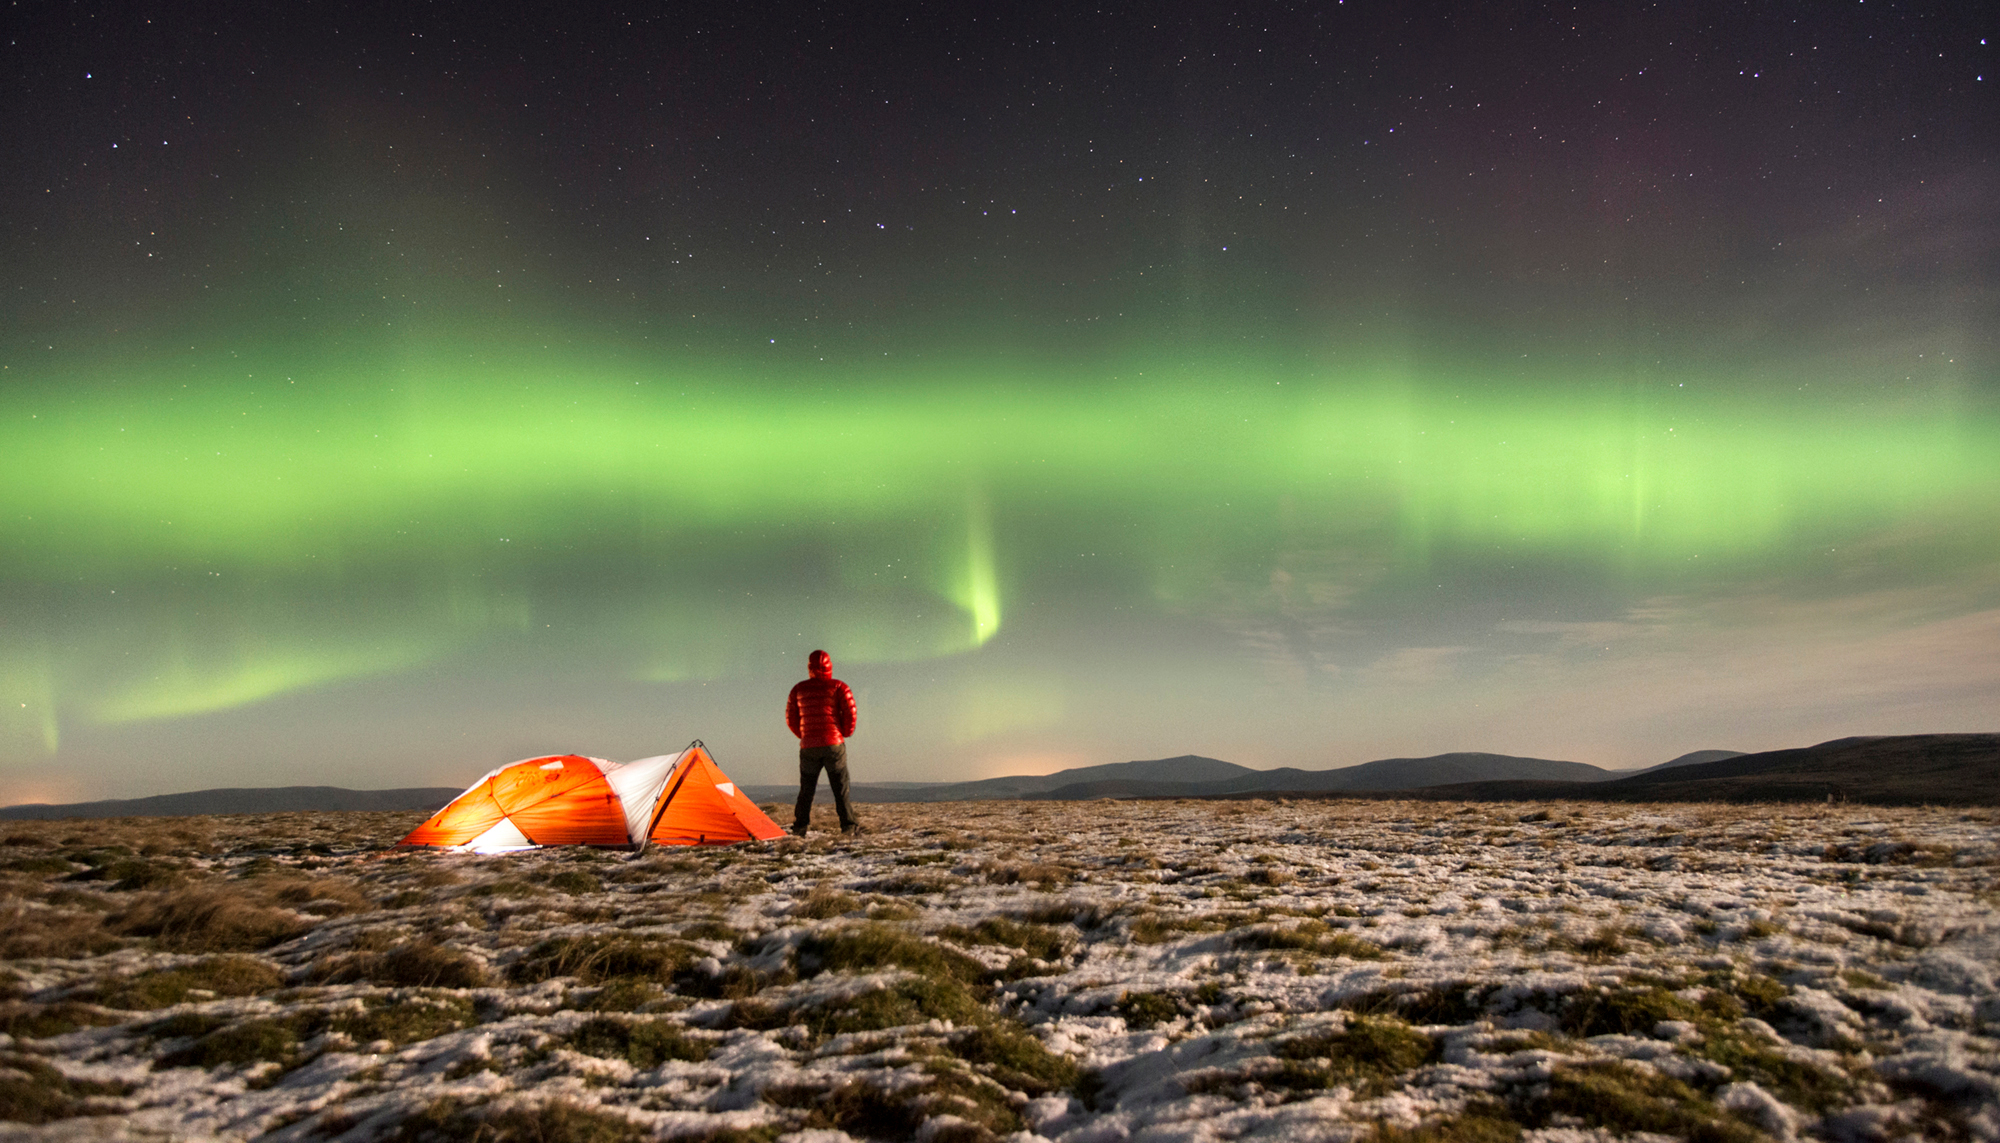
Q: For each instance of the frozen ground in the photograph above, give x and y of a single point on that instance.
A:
(1376, 971)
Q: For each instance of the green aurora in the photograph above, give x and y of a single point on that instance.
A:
(193, 542)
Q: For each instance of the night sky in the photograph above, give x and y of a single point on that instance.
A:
(391, 391)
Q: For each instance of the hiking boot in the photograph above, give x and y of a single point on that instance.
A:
(797, 831)
(852, 829)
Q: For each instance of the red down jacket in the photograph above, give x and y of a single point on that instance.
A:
(821, 709)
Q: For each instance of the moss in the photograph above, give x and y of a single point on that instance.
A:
(222, 975)
(642, 1043)
(32, 1091)
(872, 948)
(596, 959)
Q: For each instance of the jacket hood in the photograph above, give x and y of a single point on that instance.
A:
(819, 665)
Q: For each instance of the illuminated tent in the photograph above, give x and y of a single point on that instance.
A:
(672, 799)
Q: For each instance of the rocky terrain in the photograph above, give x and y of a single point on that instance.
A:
(1371, 971)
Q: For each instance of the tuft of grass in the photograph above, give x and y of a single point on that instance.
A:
(33, 934)
(981, 1105)
(40, 864)
(910, 1000)
(1046, 874)
(252, 1041)
(33, 1091)
(1482, 1122)
(1037, 941)
(419, 964)
(1012, 1056)
(1614, 1095)
(1369, 1050)
(858, 1108)
(449, 1121)
(1085, 915)
(222, 975)
(508, 887)
(574, 882)
(1800, 1084)
(40, 1021)
(1623, 1011)
(825, 901)
(319, 896)
(200, 919)
(641, 1043)
(404, 1018)
(872, 948)
(1309, 936)
(709, 930)
(596, 959)
(624, 994)
(1148, 1009)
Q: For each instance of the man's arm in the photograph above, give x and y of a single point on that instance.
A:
(844, 711)
(792, 714)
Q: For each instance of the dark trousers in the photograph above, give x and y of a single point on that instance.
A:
(812, 759)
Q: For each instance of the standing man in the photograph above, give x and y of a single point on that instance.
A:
(821, 712)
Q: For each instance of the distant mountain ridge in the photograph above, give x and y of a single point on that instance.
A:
(1194, 776)
(1386, 774)
(1695, 759)
(250, 800)
(1908, 769)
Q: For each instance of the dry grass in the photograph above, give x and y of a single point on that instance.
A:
(202, 919)
(913, 980)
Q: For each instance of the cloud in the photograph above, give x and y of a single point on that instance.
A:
(1414, 666)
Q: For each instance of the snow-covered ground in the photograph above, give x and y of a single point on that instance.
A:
(1395, 971)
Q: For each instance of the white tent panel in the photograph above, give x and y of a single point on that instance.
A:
(638, 785)
(504, 835)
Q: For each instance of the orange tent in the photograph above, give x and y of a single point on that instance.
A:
(671, 799)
